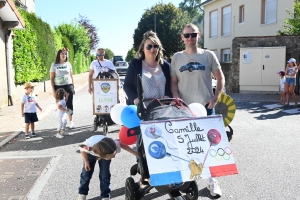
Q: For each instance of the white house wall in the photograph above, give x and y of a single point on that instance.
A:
(3, 72)
(252, 24)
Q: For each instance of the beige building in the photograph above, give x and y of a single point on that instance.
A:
(10, 19)
(226, 19)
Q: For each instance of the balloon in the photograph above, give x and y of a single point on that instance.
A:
(214, 136)
(198, 109)
(115, 113)
(157, 150)
(129, 116)
(124, 137)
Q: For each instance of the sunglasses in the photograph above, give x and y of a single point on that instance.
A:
(149, 46)
(99, 54)
(187, 35)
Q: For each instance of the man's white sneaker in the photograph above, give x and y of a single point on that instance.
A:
(214, 188)
(71, 124)
(59, 136)
(81, 197)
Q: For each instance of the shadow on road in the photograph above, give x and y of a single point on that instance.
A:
(46, 139)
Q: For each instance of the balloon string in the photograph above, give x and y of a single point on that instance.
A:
(177, 157)
(176, 147)
(207, 153)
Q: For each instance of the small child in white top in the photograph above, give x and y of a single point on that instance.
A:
(61, 97)
(28, 109)
(281, 87)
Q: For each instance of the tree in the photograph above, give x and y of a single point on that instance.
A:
(77, 35)
(169, 23)
(193, 10)
(291, 25)
(91, 31)
(131, 54)
(108, 54)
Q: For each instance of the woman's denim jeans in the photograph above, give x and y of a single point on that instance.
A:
(104, 176)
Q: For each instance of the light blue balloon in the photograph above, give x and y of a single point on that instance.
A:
(129, 116)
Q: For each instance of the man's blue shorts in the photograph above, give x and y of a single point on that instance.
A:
(30, 117)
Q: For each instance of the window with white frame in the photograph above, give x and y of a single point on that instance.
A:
(213, 24)
(226, 20)
(226, 54)
(269, 11)
(242, 14)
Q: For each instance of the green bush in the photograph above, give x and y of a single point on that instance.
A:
(66, 43)
(34, 50)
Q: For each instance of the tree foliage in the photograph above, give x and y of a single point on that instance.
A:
(291, 25)
(108, 54)
(77, 35)
(169, 23)
(192, 8)
(131, 54)
(66, 43)
(91, 31)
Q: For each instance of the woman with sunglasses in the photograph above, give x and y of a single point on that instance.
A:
(61, 76)
(154, 71)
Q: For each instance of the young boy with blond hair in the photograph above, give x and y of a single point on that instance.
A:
(28, 109)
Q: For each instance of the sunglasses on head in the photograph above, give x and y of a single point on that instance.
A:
(187, 35)
(99, 54)
(149, 46)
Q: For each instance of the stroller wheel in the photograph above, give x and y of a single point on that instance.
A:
(192, 192)
(130, 190)
(96, 123)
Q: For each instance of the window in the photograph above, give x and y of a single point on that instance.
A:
(226, 20)
(213, 24)
(226, 53)
(242, 14)
(269, 11)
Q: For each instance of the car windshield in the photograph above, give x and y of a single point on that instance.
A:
(121, 63)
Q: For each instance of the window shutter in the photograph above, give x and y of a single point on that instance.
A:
(270, 11)
(226, 20)
(214, 24)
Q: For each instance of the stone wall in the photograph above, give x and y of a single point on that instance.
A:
(292, 44)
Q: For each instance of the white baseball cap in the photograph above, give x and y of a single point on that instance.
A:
(292, 60)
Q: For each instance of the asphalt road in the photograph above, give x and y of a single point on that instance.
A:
(265, 147)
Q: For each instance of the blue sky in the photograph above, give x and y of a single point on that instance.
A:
(115, 19)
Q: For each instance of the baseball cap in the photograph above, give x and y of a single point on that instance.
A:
(28, 85)
(282, 73)
(292, 60)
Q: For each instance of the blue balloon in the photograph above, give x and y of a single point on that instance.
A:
(129, 116)
(157, 150)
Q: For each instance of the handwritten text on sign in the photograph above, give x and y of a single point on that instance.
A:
(181, 149)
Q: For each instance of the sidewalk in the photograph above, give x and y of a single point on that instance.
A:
(12, 123)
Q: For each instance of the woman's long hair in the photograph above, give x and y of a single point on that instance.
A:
(57, 59)
(150, 35)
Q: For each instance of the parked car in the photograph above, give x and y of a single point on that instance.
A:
(191, 66)
(121, 67)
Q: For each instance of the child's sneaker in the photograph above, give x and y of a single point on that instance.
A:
(27, 136)
(33, 134)
(59, 135)
(63, 132)
(81, 197)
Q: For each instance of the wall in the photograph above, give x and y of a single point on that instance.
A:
(292, 44)
(3, 72)
(251, 27)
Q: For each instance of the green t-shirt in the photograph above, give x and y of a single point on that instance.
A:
(194, 75)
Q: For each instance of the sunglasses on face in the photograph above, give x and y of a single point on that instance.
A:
(149, 46)
(187, 35)
(99, 54)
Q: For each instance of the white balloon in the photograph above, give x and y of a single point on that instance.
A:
(198, 109)
(115, 113)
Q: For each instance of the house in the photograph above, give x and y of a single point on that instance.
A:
(225, 20)
(10, 19)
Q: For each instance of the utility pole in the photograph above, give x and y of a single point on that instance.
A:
(154, 22)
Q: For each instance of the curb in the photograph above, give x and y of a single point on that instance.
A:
(48, 109)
